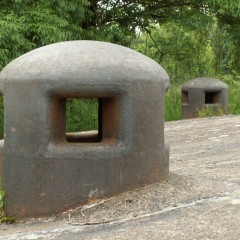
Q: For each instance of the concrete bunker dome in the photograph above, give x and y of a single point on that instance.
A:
(44, 171)
(203, 92)
(207, 83)
(74, 60)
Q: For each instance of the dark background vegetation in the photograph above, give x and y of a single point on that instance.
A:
(189, 38)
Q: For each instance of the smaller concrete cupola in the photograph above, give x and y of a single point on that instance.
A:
(201, 92)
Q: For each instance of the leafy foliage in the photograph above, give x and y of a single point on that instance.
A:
(184, 54)
(27, 24)
(82, 114)
(2, 214)
(233, 82)
(3, 217)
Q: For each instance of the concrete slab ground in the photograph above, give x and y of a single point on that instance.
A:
(200, 200)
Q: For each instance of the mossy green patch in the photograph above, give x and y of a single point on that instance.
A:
(3, 217)
(2, 195)
(8, 220)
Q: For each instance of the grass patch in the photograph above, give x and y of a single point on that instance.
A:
(173, 103)
(210, 111)
(2, 195)
(3, 217)
(2, 213)
(234, 99)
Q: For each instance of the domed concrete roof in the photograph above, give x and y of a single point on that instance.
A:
(84, 61)
(205, 83)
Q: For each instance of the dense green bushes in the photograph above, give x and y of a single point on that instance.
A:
(233, 83)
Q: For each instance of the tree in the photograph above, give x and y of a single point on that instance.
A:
(119, 21)
(28, 24)
(183, 53)
(141, 14)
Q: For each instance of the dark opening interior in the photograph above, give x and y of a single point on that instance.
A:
(212, 97)
(184, 96)
(90, 119)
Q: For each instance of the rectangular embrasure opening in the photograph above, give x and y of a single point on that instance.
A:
(90, 119)
(184, 96)
(82, 120)
(212, 97)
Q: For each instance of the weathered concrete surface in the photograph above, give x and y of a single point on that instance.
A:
(47, 171)
(201, 92)
(201, 200)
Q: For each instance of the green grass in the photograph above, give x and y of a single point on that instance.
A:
(173, 103)
(210, 111)
(2, 195)
(233, 83)
(234, 99)
(3, 217)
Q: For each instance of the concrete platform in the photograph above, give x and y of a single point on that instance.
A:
(200, 200)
